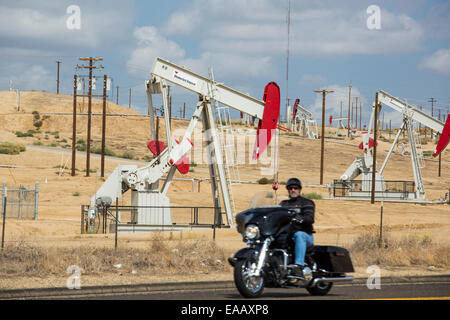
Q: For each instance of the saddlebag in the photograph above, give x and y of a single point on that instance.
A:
(332, 259)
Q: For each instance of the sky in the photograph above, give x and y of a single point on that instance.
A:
(402, 47)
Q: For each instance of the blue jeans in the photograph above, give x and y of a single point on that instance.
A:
(302, 240)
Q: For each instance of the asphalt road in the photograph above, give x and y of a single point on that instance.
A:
(416, 291)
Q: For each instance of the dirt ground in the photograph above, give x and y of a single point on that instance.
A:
(338, 222)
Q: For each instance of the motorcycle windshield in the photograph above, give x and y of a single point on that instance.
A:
(269, 219)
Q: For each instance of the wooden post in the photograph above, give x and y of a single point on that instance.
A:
(4, 217)
(74, 124)
(117, 221)
(82, 220)
(381, 226)
(322, 148)
(102, 166)
(374, 166)
(88, 142)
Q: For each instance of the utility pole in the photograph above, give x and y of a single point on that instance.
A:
(74, 124)
(287, 57)
(322, 147)
(374, 157)
(353, 109)
(349, 101)
(360, 114)
(184, 111)
(102, 166)
(88, 142)
(117, 95)
(57, 76)
(129, 100)
(432, 100)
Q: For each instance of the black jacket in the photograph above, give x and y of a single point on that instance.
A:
(307, 207)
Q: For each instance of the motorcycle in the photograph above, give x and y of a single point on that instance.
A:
(268, 259)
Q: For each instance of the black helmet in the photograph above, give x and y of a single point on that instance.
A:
(292, 182)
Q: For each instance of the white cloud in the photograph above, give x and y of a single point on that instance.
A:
(27, 24)
(33, 77)
(438, 62)
(151, 44)
(327, 28)
(311, 80)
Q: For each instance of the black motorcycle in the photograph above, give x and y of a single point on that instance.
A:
(268, 259)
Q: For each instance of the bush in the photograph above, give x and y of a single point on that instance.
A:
(265, 181)
(38, 124)
(410, 250)
(128, 155)
(312, 195)
(98, 150)
(11, 148)
(81, 147)
(24, 134)
(158, 258)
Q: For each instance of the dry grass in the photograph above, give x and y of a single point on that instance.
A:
(162, 257)
(407, 251)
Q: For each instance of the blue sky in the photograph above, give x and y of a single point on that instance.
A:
(245, 42)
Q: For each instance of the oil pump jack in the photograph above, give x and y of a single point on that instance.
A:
(364, 165)
(144, 181)
(302, 121)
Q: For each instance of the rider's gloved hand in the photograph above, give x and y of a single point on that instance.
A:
(297, 221)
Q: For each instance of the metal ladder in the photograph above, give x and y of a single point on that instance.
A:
(419, 150)
(225, 129)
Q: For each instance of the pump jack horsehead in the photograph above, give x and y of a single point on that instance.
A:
(144, 181)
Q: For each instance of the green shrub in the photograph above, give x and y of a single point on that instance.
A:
(11, 148)
(98, 150)
(29, 133)
(38, 124)
(265, 181)
(128, 155)
(81, 147)
(312, 195)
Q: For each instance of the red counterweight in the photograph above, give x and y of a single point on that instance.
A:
(269, 121)
(156, 147)
(444, 139)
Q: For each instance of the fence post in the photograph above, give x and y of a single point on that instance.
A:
(20, 196)
(36, 200)
(4, 198)
(117, 221)
(82, 219)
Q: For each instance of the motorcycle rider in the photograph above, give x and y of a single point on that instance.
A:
(302, 225)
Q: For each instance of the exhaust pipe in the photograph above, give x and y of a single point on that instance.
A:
(314, 282)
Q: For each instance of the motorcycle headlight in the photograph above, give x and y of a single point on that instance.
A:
(252, 232)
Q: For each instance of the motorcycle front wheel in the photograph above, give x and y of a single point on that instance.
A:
(248, 286)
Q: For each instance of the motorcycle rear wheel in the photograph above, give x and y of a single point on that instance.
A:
(321, 289)
(248, 286)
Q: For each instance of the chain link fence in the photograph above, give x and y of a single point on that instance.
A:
(22, 202)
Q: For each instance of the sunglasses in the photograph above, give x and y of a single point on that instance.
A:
(293, 188)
